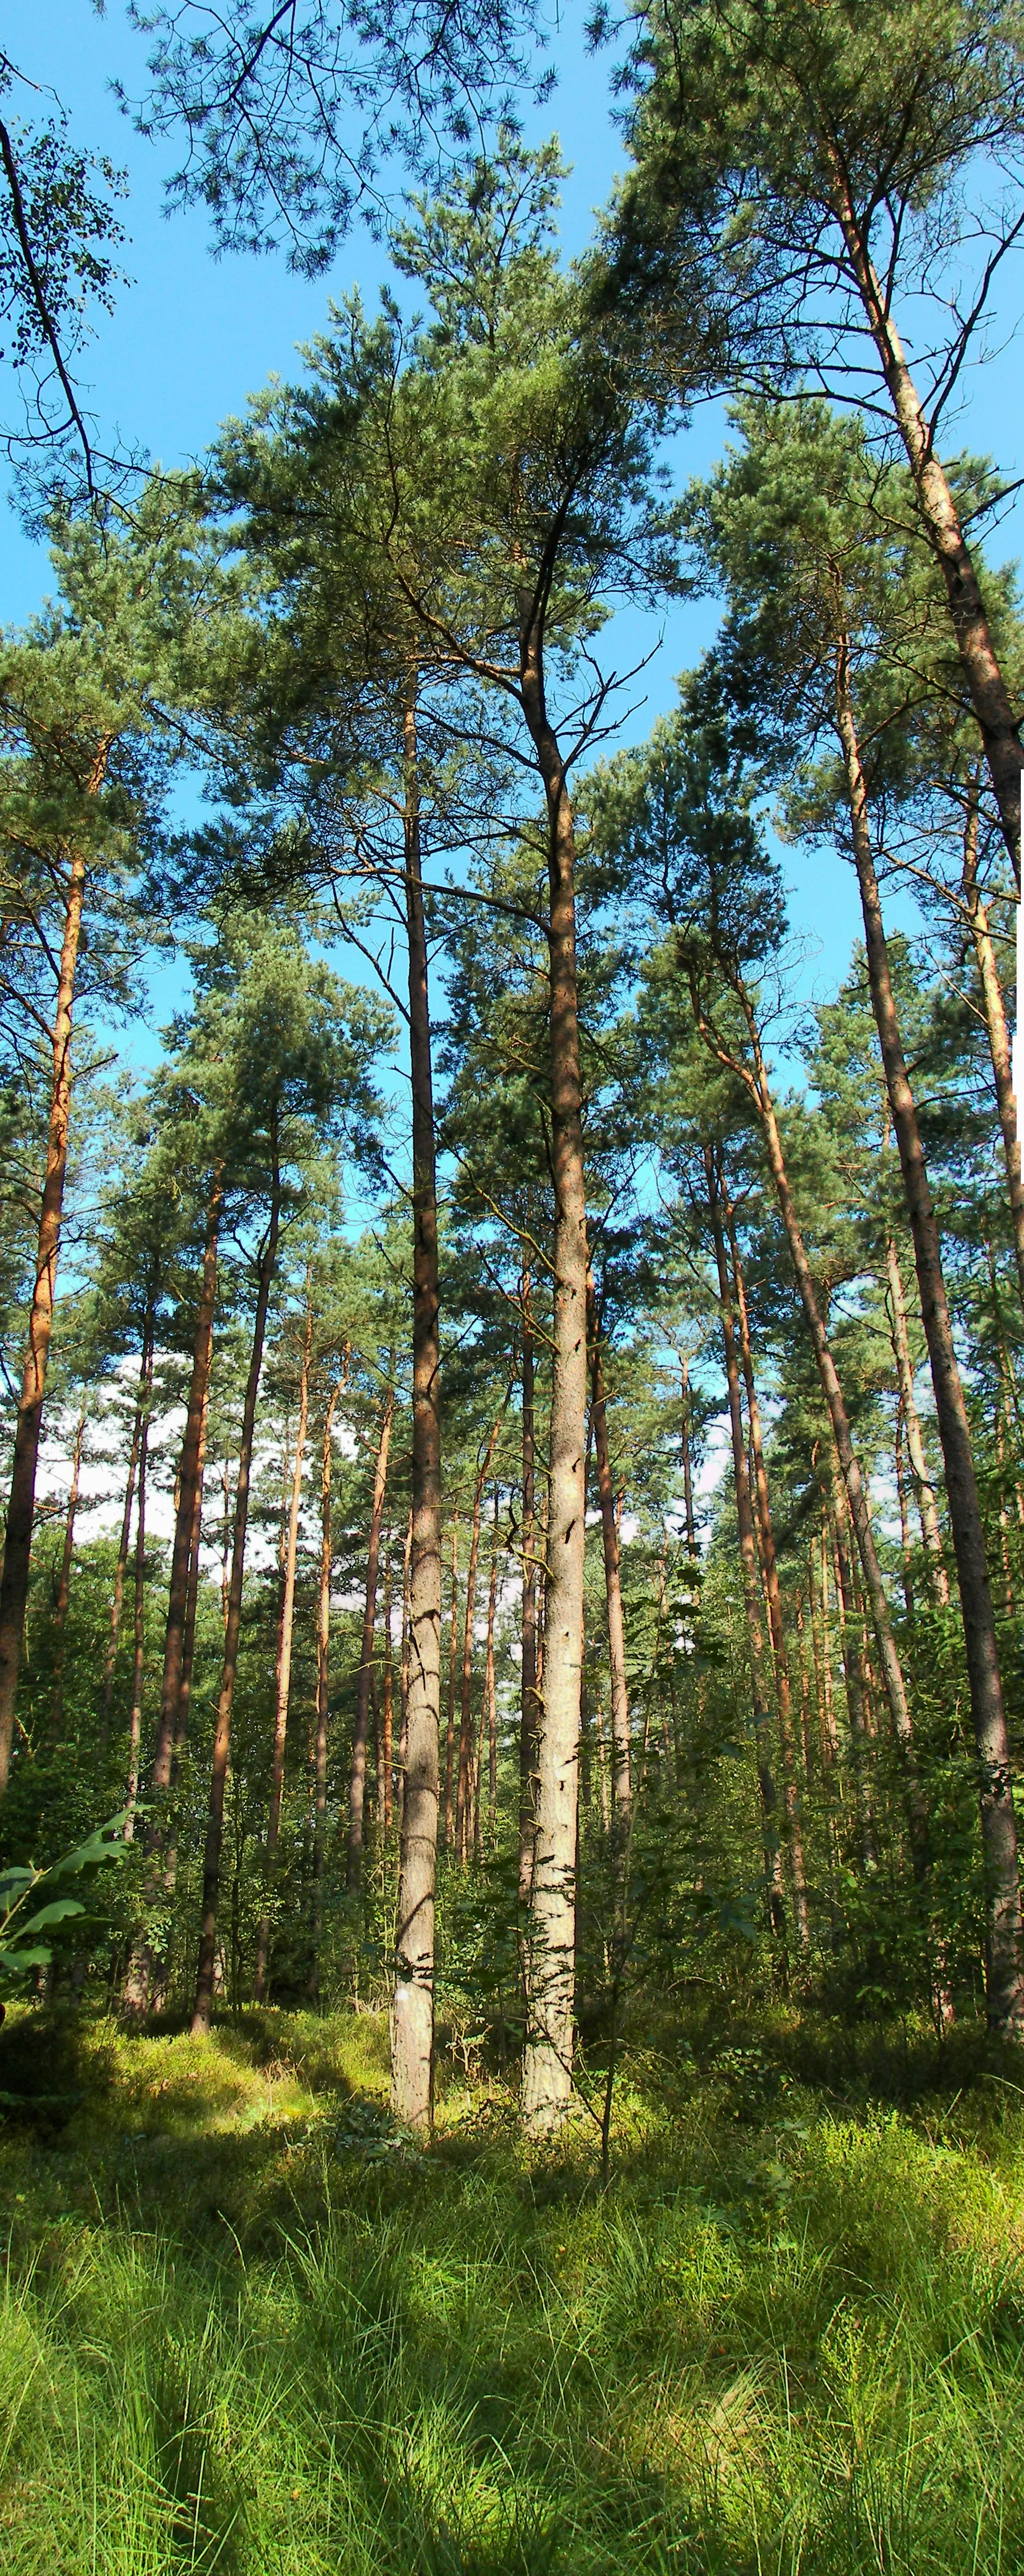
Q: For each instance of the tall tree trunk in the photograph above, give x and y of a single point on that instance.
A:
(773, 1597)
(463, 1785)
(490, 1694)
(930, 1531)
(462, 1812)
(203, 2005)
(850, 1649)
(378, 1749)
(547, 2072)
(357, 1779)
(117, 1600)
(1002, 1425)
(323, 1642)
(685, 1421)
(830, 1734)
(988, 691)
(22, 1498)
(283, 1671)
(225, 1550)
(998, 1033)
(403, 1685)
(146, 1978)
(412, 2011)
(189, 1501)
(756, 1081)
(906, 1550)
(388, 1695)
(64, 1579)
(618, 1694)
(167, 1858)
(529, 1709)
(188, 1638)
(1004, 1968)
(748, 1562)
(149, 1972)
(139, 1604)
(453, 1654)
(805, 1684)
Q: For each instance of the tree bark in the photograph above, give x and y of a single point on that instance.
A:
(547, 2072)
(930, 1531)
(529, 1712)
(618, 1694)
(1004, 1973)
(22, 1498)
(387, 1699)
(772, 1851)
(453, 1651)
(773, 1597)
(323, 1641)
(202, 2009)
(64, 1579)
(357, 1778)
(412, 2011)
(989, 694)
(283, 1670)
(403, 1685)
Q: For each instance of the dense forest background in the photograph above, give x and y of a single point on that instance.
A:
(512, 1380)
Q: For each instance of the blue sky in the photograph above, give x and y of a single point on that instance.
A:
(192, 336)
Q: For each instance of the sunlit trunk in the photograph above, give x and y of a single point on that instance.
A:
(930, 1531)
(412, 2011)
(14, 1580)
(283, 1671)
(547, 2072)
(529, 1711)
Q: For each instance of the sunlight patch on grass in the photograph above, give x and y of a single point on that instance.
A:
(247, 2326)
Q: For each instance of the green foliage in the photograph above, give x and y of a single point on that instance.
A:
(20, 1885)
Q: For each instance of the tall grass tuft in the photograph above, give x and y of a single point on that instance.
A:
(246, 2327)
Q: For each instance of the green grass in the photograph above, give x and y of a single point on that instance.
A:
(245, 2327)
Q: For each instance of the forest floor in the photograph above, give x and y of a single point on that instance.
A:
(246, 2326)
